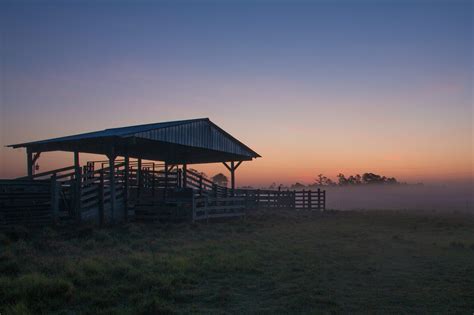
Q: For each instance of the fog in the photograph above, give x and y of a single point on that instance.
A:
(455, 197)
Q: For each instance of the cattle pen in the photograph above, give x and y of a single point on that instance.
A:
(145, 177)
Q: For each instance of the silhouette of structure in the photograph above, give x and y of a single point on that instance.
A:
(131, 182)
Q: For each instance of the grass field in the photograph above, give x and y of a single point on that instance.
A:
(376, 261)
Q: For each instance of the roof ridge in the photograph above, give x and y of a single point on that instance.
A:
(173, 122)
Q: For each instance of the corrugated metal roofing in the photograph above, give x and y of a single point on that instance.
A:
(198, 133)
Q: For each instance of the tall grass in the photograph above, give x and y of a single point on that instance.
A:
(286, 262)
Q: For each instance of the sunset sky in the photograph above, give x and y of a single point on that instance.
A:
(314, 87)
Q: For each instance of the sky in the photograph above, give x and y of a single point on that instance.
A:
(314, 87)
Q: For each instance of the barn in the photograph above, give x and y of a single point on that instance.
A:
(145, 175)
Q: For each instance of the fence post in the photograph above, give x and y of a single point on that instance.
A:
(304, 199)
(127, 184)
(153, 180)
(166, 181)
(324, 199)
(309, 200)
(258, 198)
(179, 178)
(139, 177)
(206, 210)
(78, 193)
(200, 185)
(319, 199)
(54, 198)
(294, 199)
(279, 197)
(193, 208)
(101, 198)
(214, 189)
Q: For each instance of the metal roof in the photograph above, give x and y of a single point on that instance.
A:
(186, 141)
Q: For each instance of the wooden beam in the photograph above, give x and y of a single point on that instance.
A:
(77, 186)
(185, 175)
(36, 157)
(111, 157)
(232, 176)
(139, 177)
(232, 169)
(127, 184)
(165, 191)
(29, 163)
(237, 165)
(228, 167)
(55, 198)
(153, 179)
(101, 199)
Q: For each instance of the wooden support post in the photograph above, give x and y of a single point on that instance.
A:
(279, 197)
(206, 208)
(35, 159)
(101, 199)
(309, 200)
(294, 199)
(29, 163)
(324, 200)
(232, 169)
(193, 208)
(78, 186)
(126, 195)
(165, 190)
(185, 175)
(139, 177)
(153, 180)
(232, 176)
(304, 200)
(112, 185)
(288, 200)
(54, 198)
(180, 182)
(200, 185)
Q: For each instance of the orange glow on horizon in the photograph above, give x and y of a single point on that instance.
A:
(290, 168)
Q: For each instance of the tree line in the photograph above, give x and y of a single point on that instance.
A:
(342, 180)
(320, 180)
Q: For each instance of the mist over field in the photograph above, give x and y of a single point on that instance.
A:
(448, 197)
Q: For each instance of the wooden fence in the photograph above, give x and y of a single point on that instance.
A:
(104, 194)
(28, 202)
(205, 208)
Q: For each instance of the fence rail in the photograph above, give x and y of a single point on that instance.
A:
(106, 192)
(26, 202)
(205, 208)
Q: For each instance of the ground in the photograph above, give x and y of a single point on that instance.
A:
(377, 261)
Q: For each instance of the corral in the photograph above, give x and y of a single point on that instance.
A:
(145, 177)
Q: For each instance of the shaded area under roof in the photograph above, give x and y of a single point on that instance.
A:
(175, 142)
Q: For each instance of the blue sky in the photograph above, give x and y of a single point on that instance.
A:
(376, 78)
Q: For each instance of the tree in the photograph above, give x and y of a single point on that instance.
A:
(342, 180)
(366, 178)
(220, 179)
(371, 178)
(297, 186)
(322, 180)
(392, 180)
(354, 180)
